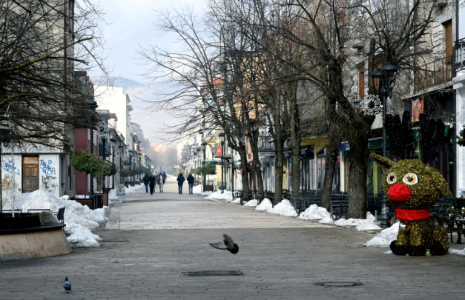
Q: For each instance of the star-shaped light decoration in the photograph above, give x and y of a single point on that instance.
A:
(372, 105)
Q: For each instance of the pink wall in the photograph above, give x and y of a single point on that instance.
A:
(82, 143)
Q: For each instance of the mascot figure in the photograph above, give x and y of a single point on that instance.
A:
(413, 188)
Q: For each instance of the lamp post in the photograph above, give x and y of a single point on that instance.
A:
(386, 76)
(120, 163)
(222, 164)
(204, 145)
(140, 164)
(113, 148)
(92, 105)
(130, 165)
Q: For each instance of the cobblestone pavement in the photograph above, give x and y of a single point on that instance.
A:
(149, 242)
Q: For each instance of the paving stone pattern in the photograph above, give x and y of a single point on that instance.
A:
(150, 241)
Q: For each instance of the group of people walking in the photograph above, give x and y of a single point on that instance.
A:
(190, 181)
(160, 178)
(152, 180)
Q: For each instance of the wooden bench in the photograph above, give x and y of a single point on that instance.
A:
(302, 202)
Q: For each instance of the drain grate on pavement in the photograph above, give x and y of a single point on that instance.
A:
(338, 284)
(213, 273)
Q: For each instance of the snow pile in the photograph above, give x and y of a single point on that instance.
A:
(367, 224)
(226, 196)
(283, 208)
(317, 213)
(388, 235)
(79, 219)
(385, 237)
(456, 251)
(253, 202)
(197, 189)
(265, 205)
(236, 200)
(127, 190)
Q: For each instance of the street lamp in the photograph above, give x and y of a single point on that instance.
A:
(130, 164)
(120, 163)
(387, 79)
(140, 164)
(222, 156)
(204, 145)
(113, 148)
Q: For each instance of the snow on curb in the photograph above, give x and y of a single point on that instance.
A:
(79, 219)
(283, 208)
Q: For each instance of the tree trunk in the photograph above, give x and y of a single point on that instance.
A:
(244, 177)
(331, 159)
(296, 139)
(279, 176)
(357, 177)
(258, 173)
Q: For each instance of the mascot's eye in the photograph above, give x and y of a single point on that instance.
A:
(391, 178)
(410, 178)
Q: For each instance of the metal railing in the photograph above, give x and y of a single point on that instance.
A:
(460, 55)
(434, 73)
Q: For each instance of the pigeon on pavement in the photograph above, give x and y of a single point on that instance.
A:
(67, 285)
(226, 244)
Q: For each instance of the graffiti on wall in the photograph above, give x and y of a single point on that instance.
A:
(49, 182)
(6, 183)
(7, 166)
(47, 167)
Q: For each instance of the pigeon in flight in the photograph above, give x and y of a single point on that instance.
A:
(226, 244)
(67, 285)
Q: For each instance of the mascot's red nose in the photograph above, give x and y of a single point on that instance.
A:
(399, 193)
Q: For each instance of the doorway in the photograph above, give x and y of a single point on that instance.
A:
(30, 173)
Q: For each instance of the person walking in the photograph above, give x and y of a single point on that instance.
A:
(180, 180)
(190, 181)
(146, 182)
(152, 184)
(160, 182)
(164, 177)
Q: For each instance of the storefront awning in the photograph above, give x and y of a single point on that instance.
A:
(377, 143)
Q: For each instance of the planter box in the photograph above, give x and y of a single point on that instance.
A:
(20, 221)
(208, 188)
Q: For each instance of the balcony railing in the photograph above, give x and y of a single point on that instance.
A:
(434, 73)
(460, 55)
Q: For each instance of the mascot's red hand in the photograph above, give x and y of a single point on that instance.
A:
(399, 193)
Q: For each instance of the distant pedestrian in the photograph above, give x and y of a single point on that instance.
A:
(152, 183)
(190, 181)
(180, 180)
(160, 182)
(146, 182)
(164, 176)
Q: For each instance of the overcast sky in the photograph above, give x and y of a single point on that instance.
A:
(130, 24)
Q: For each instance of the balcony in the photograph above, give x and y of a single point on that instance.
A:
(434, 73)
(265, 144)
(460, 55)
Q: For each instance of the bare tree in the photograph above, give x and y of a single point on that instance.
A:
(42, 43)
(334, 27)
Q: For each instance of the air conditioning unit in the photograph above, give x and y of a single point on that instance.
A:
(441, 3)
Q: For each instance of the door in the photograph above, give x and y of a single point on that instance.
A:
(30, 173)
